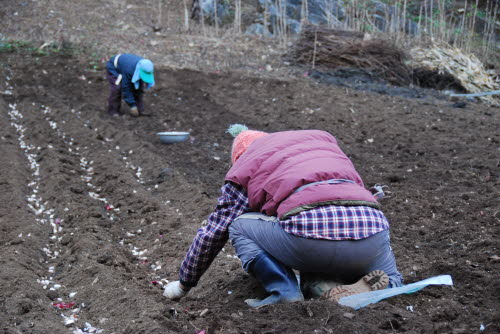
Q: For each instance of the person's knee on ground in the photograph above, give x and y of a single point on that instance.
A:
(379, 277)
(278, 279)
(314, 285)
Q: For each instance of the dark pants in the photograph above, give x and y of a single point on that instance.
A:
(115, 96)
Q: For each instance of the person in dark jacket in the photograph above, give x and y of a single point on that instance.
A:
(127, 75)
(293, 200)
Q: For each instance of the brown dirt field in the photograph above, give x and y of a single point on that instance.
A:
(63, 160)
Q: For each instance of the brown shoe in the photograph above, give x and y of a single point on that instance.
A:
(376, 280)
(134, 112)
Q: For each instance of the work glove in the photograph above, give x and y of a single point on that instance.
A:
(134, 111)
(174, 291)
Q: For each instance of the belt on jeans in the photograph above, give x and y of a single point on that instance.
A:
(257, 215)
(115, 62)
(331, 181)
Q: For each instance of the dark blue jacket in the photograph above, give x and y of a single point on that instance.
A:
(126, 67)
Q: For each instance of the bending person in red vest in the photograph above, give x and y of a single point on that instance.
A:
(293, 200)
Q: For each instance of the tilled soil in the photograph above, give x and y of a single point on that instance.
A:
(97, 212)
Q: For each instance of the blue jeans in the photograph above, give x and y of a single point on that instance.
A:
(344, 261)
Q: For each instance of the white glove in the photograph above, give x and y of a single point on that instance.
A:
(173, 291)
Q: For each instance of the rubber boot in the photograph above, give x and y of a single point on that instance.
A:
(279, 280)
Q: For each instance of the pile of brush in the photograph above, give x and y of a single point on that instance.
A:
(325, 48)
(467, 69)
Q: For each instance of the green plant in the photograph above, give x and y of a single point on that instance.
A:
(12, 46)
(481, 14)
(94, 63)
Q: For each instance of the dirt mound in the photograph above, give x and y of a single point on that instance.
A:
(97, 212)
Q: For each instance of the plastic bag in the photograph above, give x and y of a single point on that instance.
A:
(361, 300)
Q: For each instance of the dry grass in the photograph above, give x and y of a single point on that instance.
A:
(162, 31)
(435, 24)
(156, 29)
(465, 67)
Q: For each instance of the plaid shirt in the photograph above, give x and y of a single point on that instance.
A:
(324, 222)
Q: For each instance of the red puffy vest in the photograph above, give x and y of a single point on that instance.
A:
(276, 165)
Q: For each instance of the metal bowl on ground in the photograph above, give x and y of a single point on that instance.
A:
(171, 137)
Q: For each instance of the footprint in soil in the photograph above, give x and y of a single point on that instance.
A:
(392, 324)
(23, 307)
(105, 259)
(164, 175)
